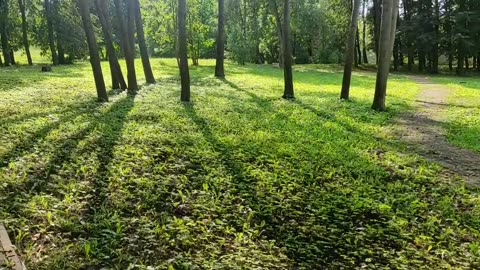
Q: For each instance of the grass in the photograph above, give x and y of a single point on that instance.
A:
(238, 179)
(463, 114)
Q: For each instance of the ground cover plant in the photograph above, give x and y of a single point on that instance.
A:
(239, 178)
(464, 111)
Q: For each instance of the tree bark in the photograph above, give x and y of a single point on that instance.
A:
(147, 67)
(364, 35)
(26, 45)
(288, 76)
(387, 38)
(278, 24)
(130, 47)
(118, 81)
(350, 51)
(219, 66)
(182, 51)
(51, 36)
(357, 46)
(4, 32)
(377, 13)
(84, 9)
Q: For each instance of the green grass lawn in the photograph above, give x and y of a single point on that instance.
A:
(464, 113)
(238, 179)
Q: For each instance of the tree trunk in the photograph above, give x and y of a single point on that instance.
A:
(26, 45)
(278, 24)
(387, 38)
(147, 67)
(377, 13)
(12, 57)
(84, 9)
(287, 58)
(357, 45)
(219, 66)
(364, 35)
(4, 32)
(118, 81)
(350, 51)
(130, 47)
(51, 36)
(182, 51)
(434, 50)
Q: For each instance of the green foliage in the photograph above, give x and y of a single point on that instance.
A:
(463, 114)
(239, 179)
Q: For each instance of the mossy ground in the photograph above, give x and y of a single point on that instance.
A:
(238, 179)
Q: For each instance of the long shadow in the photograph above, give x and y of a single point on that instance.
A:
(447, 104)
(109, 125)
(27, 142)
(275, 220)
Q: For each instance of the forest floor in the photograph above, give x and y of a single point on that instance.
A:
(424, 129)
(238, 179)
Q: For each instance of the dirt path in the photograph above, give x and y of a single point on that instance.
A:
(423, 129)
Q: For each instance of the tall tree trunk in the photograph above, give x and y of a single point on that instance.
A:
(57, 24)
(377, 19)
(364, 34)
(118, 81)
(61, 52)
(51, 36)
(182, 51)
(219, 65)
(288, 76)
(387, 38)
(278, 24)
(350, 51)
(4, 32)
(434, 50)
(12, 56)
(26, 45)
(1, 61)
(130, 47)
(84, 9)
(147, 67)
(357, 46)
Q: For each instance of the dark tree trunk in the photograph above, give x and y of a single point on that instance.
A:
(278, 24)
(364, 35)
(288, 91)
(84, 9)
(396, 59)
(350, 51)
(377, 15)
(357, 45)
(147, 67)
(61, 52)
(434, 50)
(51, 36)
(182, 50)
(118, 81)
(460, 62)
(130, 47)
(4, 32)
(219, 66)
(478, 62)
(12, 57)
(387, 38)
(26, 45)
(467, 64)
(1, 61)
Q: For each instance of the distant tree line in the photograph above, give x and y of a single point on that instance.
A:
(411, 33)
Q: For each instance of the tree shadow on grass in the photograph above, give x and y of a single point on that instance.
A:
(50, 178)
(285, 213)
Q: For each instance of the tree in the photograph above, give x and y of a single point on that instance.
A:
(219, 66)
(147, 68)
(128, 42)
(182, 52)
(118, 81)
(287, 58)
(51, 35)
(21, 5)
(350, 51)
(364, 33)
(4, 32)
(388, 27)
(84, 9)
